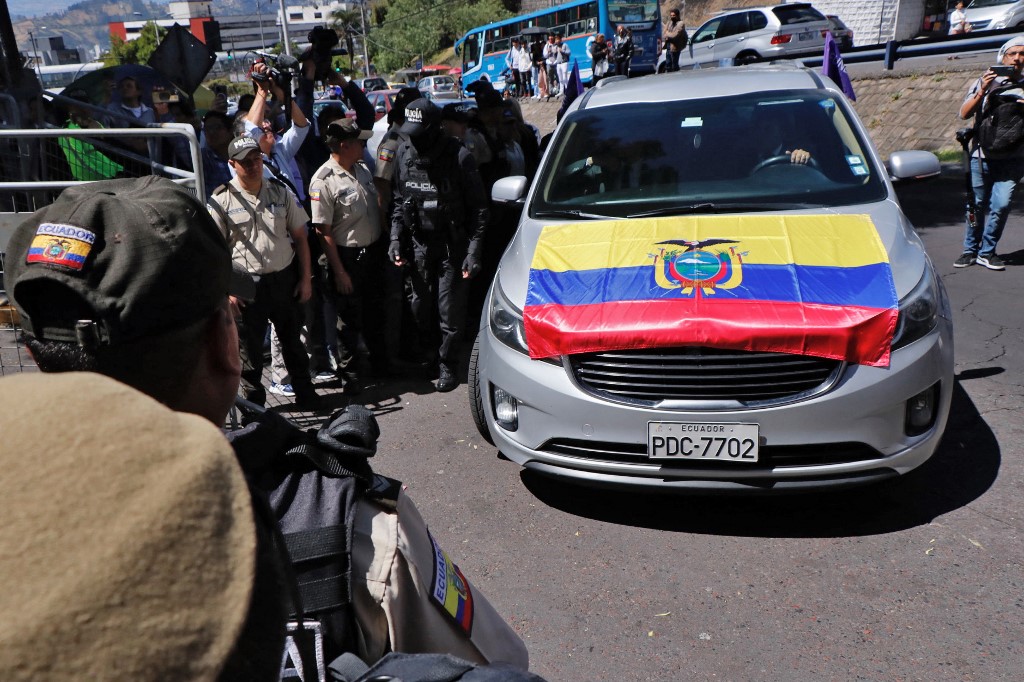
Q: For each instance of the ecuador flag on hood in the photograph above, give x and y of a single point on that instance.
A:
(804, 284)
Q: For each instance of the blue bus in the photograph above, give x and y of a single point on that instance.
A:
(484, 48)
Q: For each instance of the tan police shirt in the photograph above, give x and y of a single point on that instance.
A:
(258, 227)
(347, 202)
(414, 598)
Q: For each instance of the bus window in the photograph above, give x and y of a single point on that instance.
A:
(577, 28)
(501, 45)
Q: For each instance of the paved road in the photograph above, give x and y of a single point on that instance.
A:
(921, 580)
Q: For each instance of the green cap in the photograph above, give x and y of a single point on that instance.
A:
(118, 260)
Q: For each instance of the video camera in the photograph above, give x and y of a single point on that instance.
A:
(282, 68)
(323, 44)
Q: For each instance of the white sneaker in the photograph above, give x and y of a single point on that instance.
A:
(282, 389)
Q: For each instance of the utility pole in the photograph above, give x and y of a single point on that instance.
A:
(284, 30)
(362, 23)
(263, 40)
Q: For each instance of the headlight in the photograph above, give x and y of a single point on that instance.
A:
(1002, 21)
(918, 311)
(506, 322)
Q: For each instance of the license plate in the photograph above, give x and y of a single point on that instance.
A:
(806, 35)
(703, 442)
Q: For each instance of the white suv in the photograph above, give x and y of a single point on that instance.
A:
(748, 35)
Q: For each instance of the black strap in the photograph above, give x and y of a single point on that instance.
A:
(280, 175)
(316, 543)
(332, 464)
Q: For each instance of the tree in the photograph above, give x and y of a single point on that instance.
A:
(412, 29)
(135, 51)
(348, 22)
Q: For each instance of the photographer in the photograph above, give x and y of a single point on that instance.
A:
(994, 177)
(279, 150)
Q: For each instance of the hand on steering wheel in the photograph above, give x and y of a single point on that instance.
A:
(788, 158)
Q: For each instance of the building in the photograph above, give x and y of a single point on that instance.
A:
(238, 35)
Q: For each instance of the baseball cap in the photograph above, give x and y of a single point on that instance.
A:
(346, 129)
(241, 146)
(455, 111)
(405, 97)
(118, 260)
(488, 98)
(420, 116)
(137, 555)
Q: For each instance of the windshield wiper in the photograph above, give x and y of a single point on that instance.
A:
(707, 207)
(574, 213)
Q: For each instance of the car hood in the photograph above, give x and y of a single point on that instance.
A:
(905, 250)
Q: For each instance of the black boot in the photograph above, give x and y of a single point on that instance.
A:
(446, 380)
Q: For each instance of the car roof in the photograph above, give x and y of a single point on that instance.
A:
(765, 8)
(705, 83)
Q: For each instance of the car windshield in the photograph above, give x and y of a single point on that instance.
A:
(729, 154)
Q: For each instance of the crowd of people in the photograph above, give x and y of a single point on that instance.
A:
(146, 308)
(365, 264)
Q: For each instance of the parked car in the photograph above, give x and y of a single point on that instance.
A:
(840, 31)
(371, 83)
(439, 87)
(749, 35)
(668, 313)
(321, 104)
(381, 101)
(992, 15)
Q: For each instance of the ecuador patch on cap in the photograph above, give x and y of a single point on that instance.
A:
(451, 589)
(58, 244)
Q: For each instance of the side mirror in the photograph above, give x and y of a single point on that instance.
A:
(509, 190)
(913, 165)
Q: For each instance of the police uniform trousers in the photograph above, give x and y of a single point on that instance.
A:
(439, 294)
(274, 302)
(363, 311)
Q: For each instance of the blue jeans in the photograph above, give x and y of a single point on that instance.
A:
(993, 181)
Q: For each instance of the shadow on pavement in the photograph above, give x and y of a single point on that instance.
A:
(962, 469)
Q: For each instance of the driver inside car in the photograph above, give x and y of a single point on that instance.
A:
(782, 138)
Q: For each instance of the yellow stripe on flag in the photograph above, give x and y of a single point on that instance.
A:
(814, 240)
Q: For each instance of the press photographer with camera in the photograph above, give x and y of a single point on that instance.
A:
(278, 150)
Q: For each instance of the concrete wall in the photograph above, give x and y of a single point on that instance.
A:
(917, 111)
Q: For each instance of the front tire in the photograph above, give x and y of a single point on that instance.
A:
(476, 398)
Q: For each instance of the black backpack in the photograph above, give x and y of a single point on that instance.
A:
(999, 123)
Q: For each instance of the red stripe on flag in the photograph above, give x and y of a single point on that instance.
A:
(851, 333)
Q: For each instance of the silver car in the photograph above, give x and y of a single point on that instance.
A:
(748, 35)
(626, 341)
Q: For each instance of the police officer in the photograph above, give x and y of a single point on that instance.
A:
(439, 207)
(266, 227)
(347, 217)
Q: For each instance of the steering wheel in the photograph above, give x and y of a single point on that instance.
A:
(786, 159)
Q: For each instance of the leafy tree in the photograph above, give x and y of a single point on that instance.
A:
(135, 51)
(348, 22)
(411, 29)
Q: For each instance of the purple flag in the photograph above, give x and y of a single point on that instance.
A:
(573, 89)
(833, 67)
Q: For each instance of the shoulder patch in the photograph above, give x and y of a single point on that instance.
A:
(386, 154)
(450, 589)
(221, 189)
(58, 244)
(314, 194)
(323, 173)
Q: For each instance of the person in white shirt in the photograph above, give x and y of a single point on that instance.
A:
(958, 20)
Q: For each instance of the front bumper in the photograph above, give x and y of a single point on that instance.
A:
(863, 415)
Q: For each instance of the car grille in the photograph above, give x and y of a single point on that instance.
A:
(771, 456)
(980, 25)
(709, 374)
